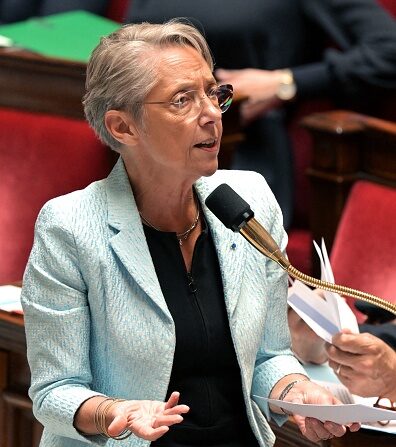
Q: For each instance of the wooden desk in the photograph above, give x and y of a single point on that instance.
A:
(47, 85)
(18, 427)
(32, 82)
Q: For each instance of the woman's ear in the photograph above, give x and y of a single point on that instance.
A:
(121, 127)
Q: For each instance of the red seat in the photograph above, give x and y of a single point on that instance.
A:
(117, 10)
(363, 253)
(41, 157)
(389, 5)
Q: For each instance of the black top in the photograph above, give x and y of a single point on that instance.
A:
(205, 369)
(16, 10)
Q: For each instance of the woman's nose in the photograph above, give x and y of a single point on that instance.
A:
(210, 109)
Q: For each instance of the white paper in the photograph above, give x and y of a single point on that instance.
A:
(341, 414)
(324, 376)
(10, 298)
(328, 316)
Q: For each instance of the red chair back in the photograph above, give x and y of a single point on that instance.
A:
(363, 253)
(117, 10)
(41, 157)
(389, 5)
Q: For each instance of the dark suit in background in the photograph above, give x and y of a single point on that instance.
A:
(16, 10)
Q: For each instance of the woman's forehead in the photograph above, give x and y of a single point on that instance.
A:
(183, 64)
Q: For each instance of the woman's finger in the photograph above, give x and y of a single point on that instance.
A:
(117, 426)
(167, 420)
(335, 429)
(178, 409)
(149, 433)
(354, 426)
(173, 400)
(305, 429)
(318, 428)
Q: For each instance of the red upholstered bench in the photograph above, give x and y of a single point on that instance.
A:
(41, 157)
(363, 253)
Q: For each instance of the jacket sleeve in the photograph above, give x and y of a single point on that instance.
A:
(57, 324)
(365, 58)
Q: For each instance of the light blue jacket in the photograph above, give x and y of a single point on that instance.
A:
(97, 322)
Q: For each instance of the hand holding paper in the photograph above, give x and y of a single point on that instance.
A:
(307, 393)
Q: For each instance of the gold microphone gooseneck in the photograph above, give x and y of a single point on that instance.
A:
(262, 240)
(237, 215)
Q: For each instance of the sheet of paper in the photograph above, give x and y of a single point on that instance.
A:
(344, 315)
(10, 298)
(324, 376)
(313, 310)
(327, 316)
(341, 414)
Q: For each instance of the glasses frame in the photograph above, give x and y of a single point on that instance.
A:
(222, 88)
(391, 406)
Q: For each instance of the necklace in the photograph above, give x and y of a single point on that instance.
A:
(180, 236)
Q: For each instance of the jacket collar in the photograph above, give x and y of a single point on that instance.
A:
(129, 242)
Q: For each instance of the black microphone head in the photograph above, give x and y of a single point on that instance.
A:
(229, 207)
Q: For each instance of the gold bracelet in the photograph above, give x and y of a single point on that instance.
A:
(100, 419)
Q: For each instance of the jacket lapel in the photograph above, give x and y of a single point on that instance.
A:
(129, 242)
(230, 249)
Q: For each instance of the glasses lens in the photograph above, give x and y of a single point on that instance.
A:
(224, 96)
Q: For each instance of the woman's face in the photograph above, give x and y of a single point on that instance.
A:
(181, 142)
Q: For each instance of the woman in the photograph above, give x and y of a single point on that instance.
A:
(135, 291)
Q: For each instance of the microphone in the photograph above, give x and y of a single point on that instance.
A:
(236, 214)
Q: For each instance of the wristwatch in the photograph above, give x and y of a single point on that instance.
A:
(287, 88)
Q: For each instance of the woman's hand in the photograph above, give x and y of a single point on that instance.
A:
(148, 419)
(364, 364)
(260, 87)
(307, 346)
(308, 392)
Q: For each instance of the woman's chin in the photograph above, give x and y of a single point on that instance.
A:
(210, 168)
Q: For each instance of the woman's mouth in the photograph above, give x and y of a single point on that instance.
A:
(207, 144)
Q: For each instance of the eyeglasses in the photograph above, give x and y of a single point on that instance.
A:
(385, 404)
(185, 102)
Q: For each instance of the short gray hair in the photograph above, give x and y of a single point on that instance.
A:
(121, 73)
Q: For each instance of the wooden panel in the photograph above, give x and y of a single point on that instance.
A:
(18, 427)
(346, 147)
(290, 436)
(3, 385)
(32, 82)
(21, 429)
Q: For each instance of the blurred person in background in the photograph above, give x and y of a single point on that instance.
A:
(278, 53)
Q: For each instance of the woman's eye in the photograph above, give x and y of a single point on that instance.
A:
(212, 94)
(182, 100)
